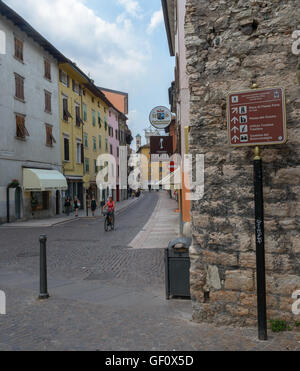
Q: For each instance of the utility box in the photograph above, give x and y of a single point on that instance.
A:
(177, 267)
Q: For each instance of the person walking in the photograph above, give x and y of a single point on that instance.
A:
(93, 205)
(76, 206)
(68, 206)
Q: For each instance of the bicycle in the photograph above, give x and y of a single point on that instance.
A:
(109, 221)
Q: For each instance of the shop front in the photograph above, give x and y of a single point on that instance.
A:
(42, 193)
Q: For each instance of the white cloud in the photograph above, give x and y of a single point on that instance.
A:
(111, 51)
(132, 7)
(156, 20)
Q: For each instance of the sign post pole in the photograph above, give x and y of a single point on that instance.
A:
(260, 247)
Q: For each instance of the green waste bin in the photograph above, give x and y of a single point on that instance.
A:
(177, 268)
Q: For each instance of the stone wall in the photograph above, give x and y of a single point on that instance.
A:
(231, 45)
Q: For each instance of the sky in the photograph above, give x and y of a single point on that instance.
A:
(121, 44)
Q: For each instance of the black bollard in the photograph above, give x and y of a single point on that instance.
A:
(43, 269)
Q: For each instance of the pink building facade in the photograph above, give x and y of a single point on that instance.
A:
(114, 149)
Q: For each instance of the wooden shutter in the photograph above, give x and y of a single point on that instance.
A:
(48, 107)
(21, 131)
(52, 137)
(19, 49)
(48, 135)
(19, 87)
(47, 67)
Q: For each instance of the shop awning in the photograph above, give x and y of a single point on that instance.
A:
(36, 180)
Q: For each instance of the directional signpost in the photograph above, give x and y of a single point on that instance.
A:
(255, 118)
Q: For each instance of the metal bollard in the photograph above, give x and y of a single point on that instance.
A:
(43, 269)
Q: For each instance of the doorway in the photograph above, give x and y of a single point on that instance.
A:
(57, 202)
(18, 197)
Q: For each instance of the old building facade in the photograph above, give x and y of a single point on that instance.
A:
(230, 46)
(30, 164)
(174, 15)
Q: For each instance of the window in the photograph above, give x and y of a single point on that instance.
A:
(116, 134)
(87, 165)
(48, 107)
(86, 141)
(19, 49)
(50, 140)
(94, 144)
(94, 117)
(40, 201)
(100, 141)
(21, 131)
(47, 68)
(66, 113)
(105, 124)
(111, 150)
(118, 152)
(84, 112)
(95, 166)
(64, 78)
(19, 82)
(79, 152)
(78, 118)
(67, 149)
(106, 145)
(76, 87)
(99, 120)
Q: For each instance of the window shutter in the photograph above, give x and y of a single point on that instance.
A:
(60, 75)
(48, 136)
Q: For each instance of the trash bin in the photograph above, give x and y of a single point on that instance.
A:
(177, 267)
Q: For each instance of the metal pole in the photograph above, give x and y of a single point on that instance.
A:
(43, 269)
(260, 247)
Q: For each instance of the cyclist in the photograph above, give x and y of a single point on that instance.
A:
(110, 208)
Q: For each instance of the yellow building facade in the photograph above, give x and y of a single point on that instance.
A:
(95, 136)
(71, 81)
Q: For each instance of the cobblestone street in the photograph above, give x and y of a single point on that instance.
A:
(105, 293)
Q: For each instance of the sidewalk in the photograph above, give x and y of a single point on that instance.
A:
(51, 222)
(162, 227)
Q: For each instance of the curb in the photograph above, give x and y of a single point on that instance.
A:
(73, 219)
